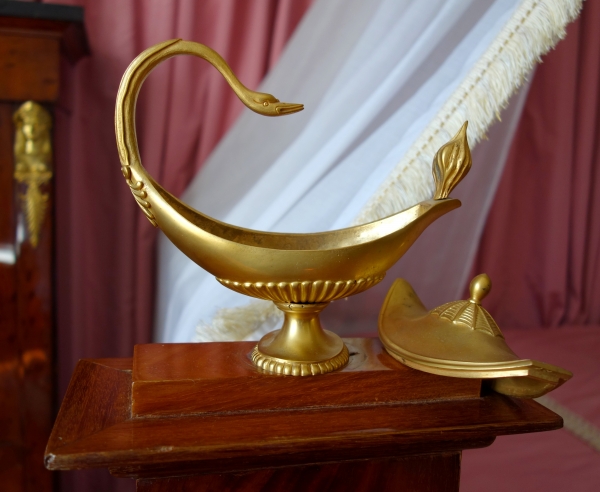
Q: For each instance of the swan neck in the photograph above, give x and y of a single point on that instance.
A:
(133, 79)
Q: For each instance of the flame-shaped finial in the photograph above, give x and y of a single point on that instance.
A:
(451, 163)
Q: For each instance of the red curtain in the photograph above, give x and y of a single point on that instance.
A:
(105, 262)
(541, 244)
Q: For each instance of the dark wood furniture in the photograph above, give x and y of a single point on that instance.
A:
(200, 417)
(32, 37)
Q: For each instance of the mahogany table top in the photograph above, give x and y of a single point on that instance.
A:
(95, 426)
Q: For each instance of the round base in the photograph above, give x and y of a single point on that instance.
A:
(299, 368)
(301, 347)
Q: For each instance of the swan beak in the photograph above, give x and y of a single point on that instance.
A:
(288, 108)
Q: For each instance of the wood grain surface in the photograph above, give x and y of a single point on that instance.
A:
(29, 70)
(29, 65)
(423, 473)
(26, 390)
(95, 429)
(184, 378)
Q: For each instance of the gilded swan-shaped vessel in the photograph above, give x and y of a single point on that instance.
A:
(301, 273)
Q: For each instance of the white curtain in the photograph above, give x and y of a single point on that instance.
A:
(376, 78)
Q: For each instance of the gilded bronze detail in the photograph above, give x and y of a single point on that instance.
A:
(33, 161)
(460, 339)
(471, 313)
(301, 347)
(451, 164)
(309, 291)
(301, 273)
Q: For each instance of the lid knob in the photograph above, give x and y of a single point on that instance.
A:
(479, 288)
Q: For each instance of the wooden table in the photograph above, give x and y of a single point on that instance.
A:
(200, 417)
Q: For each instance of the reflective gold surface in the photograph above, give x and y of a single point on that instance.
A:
(33, 160)
(300, 272)
(301, 347)
(460, 339)
(451, 164)
(470, 313)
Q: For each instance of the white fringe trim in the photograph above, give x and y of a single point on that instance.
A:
(574, 423)
(534, 28)
(240, 323)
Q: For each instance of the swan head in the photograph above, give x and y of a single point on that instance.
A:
(269, 105)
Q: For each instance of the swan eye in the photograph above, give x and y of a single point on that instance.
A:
(266, 103)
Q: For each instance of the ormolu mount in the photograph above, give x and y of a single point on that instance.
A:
(300, 273)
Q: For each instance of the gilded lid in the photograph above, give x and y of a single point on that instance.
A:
(471, 313)
(460, 339)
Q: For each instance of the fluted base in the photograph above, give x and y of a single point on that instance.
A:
(301, 347)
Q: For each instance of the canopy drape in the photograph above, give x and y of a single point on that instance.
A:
(384, 83)
(541, 244)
